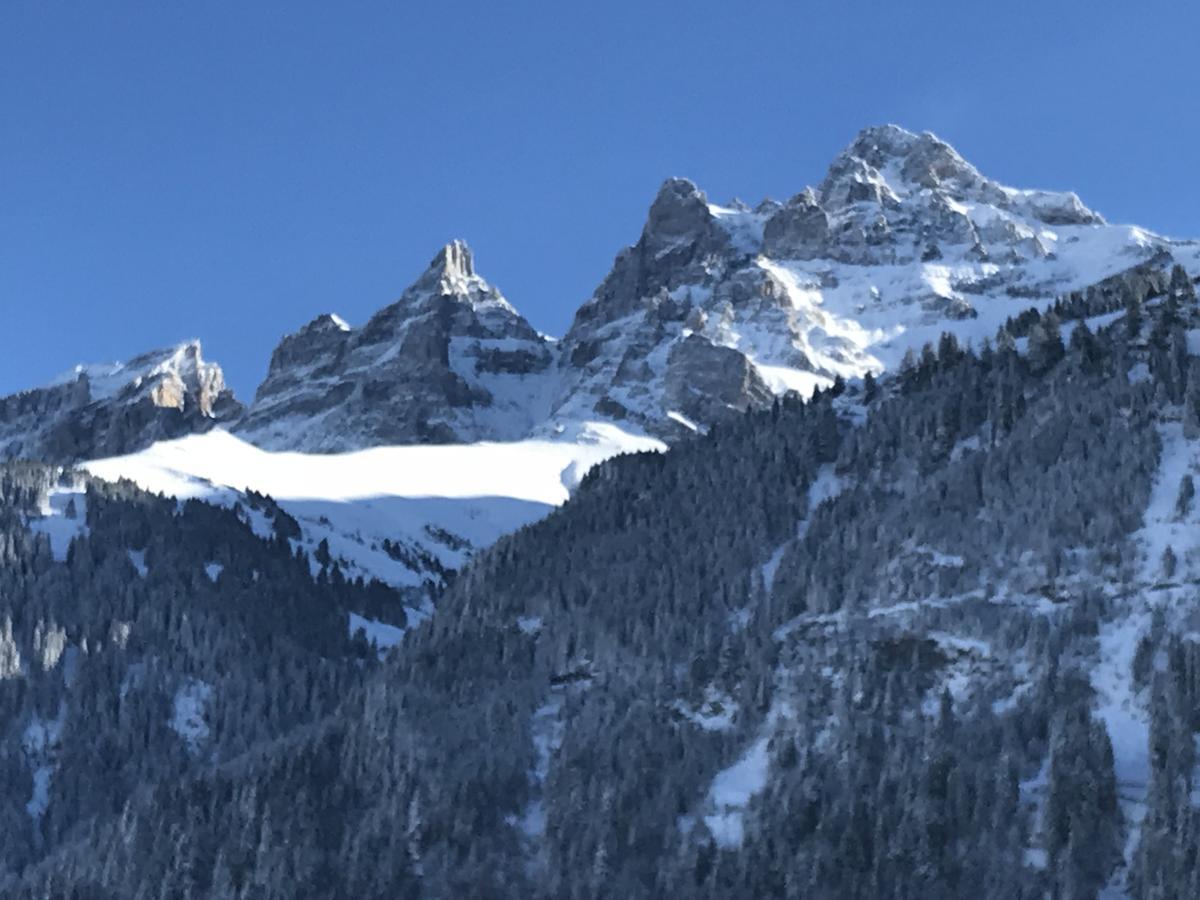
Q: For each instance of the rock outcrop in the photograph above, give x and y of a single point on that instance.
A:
(108, 410)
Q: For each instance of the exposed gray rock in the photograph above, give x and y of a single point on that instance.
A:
(892, 194)
(1149, 279)
(680, 241)
(449, 361)
(109, 410)
(709, 383)
(798, 230)
(852, 180)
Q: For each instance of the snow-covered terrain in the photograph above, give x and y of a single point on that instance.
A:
(182, 364)
(187, 713)
(1169, 532)
(41, 742)
(436, 503)
(63, 518)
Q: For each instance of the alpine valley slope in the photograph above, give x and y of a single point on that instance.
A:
(715, 310)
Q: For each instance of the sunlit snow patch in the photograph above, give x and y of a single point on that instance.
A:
(63, 518)
(731, 792)
(137, 559)
(445, 501)
(41, 742)
(380, 635)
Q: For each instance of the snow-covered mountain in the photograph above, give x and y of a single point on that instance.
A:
(451, 361)
(928, 634)
(102, 410)
(718, 308)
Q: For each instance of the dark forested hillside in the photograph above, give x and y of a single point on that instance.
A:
(164, 640)
(930, 637)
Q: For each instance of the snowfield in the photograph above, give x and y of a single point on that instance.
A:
(444, 501)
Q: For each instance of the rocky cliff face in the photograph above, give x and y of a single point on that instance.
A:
(450, 361)
(106, 410)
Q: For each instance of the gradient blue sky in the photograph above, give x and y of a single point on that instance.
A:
(228, 170)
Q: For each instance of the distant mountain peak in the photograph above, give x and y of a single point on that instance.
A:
(326, 322)
(170, 377)
(885, 164)
(454, 262)
(451, 360)
(455, 259)
(880, 144)
(110, 408)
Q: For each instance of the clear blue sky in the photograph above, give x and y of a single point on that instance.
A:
(228, 170)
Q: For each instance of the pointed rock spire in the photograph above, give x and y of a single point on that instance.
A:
(420, 370)
(455, 260)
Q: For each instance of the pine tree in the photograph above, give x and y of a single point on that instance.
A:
(1134, 315)
(1191, 403)
(1183, 502)
(1045, 344)
(870, 389)
(1181, 289)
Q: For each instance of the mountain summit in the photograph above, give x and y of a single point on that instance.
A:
(107, 409)
(449, 362)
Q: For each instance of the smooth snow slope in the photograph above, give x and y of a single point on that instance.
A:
(440, 500)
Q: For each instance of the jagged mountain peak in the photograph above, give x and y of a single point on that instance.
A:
(926, 155)
(451, 271)
(888, 165)
(679, 208)
(454, 260)
(450, 360)
(175, 377)
(326, 322)
(450, 274)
